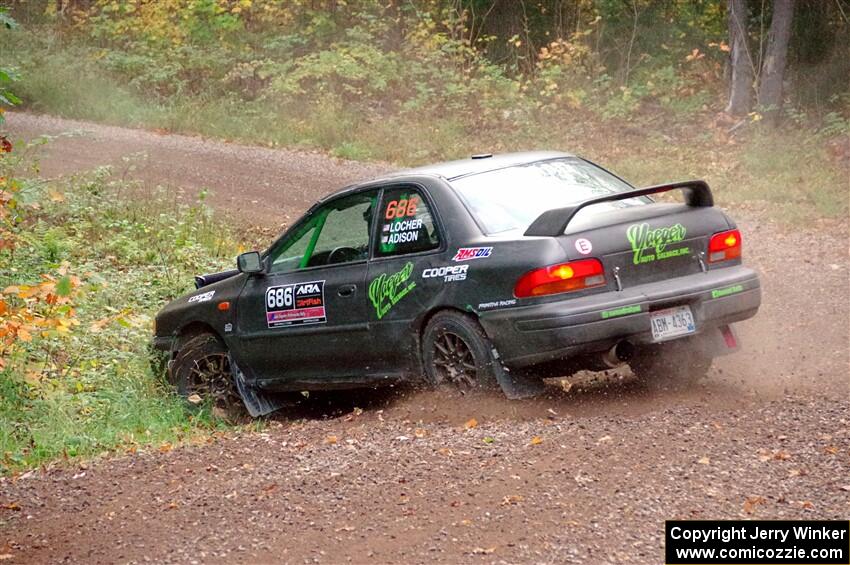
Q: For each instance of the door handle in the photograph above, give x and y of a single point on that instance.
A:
(347, 290)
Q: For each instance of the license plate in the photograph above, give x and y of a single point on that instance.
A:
(672, 322)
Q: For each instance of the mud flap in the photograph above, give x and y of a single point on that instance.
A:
(516, 386)
(722, 340)
(257, 402)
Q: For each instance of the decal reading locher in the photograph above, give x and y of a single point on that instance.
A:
(470, 273)
(294, 304)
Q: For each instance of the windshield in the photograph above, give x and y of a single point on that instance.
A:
(511, 198)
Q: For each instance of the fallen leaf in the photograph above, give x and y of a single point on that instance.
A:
(420, 433)
(445, 451)
(488, 440)
(781, 455)
(704, 461)
(482, 551)
(751, 503)
(831, 449)
(330, 440)
(536, 440)
(12, 506)
(807, 505)
(165, 447)
(604, 439)
(512, 499)
(194, 399)
(5, 556)
(471, 423)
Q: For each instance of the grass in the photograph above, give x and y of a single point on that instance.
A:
(82, 392)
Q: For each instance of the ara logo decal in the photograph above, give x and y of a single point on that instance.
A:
(468, 253)
(583, 246)
(650, 244)
(387, 289)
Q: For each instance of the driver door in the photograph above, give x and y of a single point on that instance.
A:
(304, 321)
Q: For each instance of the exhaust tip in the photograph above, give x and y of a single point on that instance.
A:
(622, 352)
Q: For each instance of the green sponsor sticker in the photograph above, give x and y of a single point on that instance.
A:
(719, 292)
(650, 244)
(623, 311)
(386, 290)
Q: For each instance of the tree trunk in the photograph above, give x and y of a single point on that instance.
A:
(773, 71)
(741, 91)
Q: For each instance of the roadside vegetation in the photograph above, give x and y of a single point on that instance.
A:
(85, 263)
(640, 89)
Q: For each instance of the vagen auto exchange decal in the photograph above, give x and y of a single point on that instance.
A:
(386, 290)
(650, 244)
(296, 304)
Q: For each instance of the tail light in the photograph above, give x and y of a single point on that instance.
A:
(565, 277)
(724, 246)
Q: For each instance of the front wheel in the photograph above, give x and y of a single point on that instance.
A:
(201, 369)
(456, 351)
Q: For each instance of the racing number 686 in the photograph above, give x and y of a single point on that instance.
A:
(279, 297)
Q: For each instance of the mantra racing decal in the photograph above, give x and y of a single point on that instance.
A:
(296, 304)
(649, 244)
(386, 290)
(468, 253)
(449, 273)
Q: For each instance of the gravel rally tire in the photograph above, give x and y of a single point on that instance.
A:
(202, 367)
(456, 351)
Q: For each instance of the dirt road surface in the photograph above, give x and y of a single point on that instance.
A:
(585, 475)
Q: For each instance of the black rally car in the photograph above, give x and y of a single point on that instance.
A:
(490, 270)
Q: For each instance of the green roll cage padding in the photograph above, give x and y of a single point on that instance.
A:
(320, 223)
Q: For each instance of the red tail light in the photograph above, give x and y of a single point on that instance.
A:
(724, 246)
(565, 277)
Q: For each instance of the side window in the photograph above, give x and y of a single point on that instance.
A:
(406, 224)
(336, 233)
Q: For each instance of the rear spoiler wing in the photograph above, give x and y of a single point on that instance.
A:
(553, 223)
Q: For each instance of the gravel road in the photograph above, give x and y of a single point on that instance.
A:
(586, 474)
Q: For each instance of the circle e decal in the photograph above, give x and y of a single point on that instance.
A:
(583, 246)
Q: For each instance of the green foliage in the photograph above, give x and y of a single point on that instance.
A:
(113, 259)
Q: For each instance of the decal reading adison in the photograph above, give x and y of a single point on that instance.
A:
(450, 273)
(497, 304)
(468, 253)
(649, 244)
(204, 297)
(296, 304)
(386, 290)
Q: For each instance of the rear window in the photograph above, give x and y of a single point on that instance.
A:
(511, 198)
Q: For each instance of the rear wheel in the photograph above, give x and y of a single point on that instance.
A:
(201, 369)
(670, 365)
(456, 351)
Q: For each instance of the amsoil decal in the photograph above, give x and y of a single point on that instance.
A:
(468, 253)
(387, 289)
(649, 244)
(449, 273)
(296, 304)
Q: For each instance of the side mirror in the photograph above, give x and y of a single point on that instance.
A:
(250, 263)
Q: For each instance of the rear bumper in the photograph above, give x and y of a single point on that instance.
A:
(543, 332)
